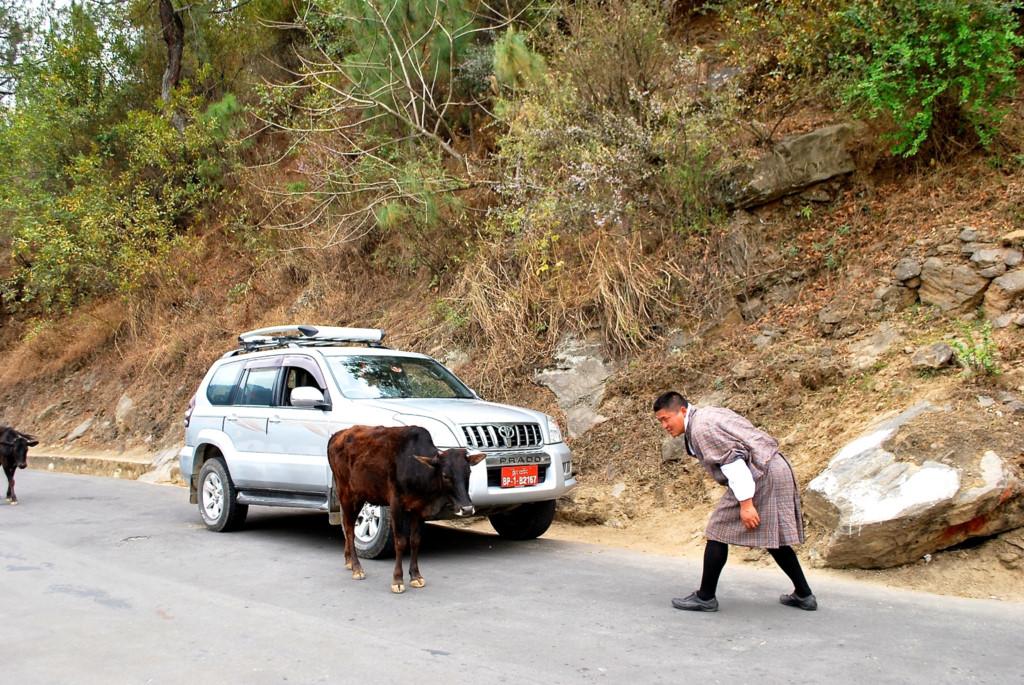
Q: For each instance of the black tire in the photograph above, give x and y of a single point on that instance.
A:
(379, 544)
(224, 514)
(525, 522)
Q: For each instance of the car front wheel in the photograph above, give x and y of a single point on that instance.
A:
(217, 495)
(525, 522)
(373, 538)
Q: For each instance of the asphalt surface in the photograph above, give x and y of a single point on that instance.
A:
(110, 581)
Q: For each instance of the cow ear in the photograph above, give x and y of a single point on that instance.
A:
(475, 458)
(32, 441)
(432, 462)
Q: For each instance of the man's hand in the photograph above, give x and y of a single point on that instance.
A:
(748, 514)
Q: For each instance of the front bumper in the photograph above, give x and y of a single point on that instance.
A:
(558, 480)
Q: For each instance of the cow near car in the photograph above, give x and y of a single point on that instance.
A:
(399, 467)
(14, 455)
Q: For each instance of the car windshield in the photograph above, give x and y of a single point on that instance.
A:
(375, 377)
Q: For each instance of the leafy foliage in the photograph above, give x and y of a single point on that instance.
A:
(923, 61)
(96, 187)
(975, 349)
(932, 66)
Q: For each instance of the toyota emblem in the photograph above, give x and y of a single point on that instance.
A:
(506, 433)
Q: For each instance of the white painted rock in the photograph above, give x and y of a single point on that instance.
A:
(922, 481)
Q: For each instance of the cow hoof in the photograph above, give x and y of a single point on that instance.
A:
(348, 565)
(14, 503)
(358, 575)
(418, 583)
(397, 588)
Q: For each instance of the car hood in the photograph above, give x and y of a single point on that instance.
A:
(460, 412)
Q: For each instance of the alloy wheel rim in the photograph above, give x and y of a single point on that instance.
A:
(213, 496)
(368, 523)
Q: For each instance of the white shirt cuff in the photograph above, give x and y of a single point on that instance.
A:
(741, 482)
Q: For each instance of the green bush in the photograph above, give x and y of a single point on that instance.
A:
(975, 349)
(931, 64)
(934, 66)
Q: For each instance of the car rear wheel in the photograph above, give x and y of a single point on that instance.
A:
(217, 495)
(373, 538)
(525, 522)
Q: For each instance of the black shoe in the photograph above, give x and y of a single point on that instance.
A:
(692, 602)
(808, 603)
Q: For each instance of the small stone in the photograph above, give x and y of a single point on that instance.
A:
(618, 489)
(994, 271)
(1014, 407)
(906, 269)
(984, 401)
(1003, 320)
(932, 356)
(1013, 238)
(914, 282)
(1010, 560)
(745, 370)
(677, 339)
(968, 235)
(1019, 321)
(1013, 257)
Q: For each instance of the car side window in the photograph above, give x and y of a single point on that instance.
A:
(223, 382)
(295, 377)
(258, 389)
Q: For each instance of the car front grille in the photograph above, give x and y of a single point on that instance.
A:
(502, 435)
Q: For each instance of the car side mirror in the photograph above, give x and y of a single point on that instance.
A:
(308, 396)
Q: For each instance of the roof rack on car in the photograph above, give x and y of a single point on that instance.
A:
(305, 335)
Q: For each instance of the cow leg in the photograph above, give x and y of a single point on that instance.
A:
(349, 512)
(9, 472)
(399, 525)
(415, 579)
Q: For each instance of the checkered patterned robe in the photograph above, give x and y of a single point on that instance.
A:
(717, 436)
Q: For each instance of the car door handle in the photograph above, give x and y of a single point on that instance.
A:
(231, 417)
(274, 419)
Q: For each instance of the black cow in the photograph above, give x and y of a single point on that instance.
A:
(401, 468)
(14, 455)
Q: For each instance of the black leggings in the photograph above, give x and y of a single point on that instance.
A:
(717, 553)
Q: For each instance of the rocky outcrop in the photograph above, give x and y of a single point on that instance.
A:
(578, 382)
(922, 481)
(952, 288)
(793, 165)
(1004, 290)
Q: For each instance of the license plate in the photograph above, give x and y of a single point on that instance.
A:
(518, 476)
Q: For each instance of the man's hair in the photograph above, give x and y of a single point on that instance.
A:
(670, 400)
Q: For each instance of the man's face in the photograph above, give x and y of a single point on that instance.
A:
(671, 420)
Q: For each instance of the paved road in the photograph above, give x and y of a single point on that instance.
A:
(109, 581)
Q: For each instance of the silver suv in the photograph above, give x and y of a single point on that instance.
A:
(256, 431)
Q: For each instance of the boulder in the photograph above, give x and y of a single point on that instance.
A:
(969, 235)
(990, 262)
(951, 288)
(917, 483)
(933, 356)
(906, 269)
(794, 164)
(578, 380)
(1003, 291)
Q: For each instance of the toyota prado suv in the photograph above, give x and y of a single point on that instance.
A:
(256, 431)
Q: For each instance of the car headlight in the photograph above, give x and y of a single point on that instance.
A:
(554, 432)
